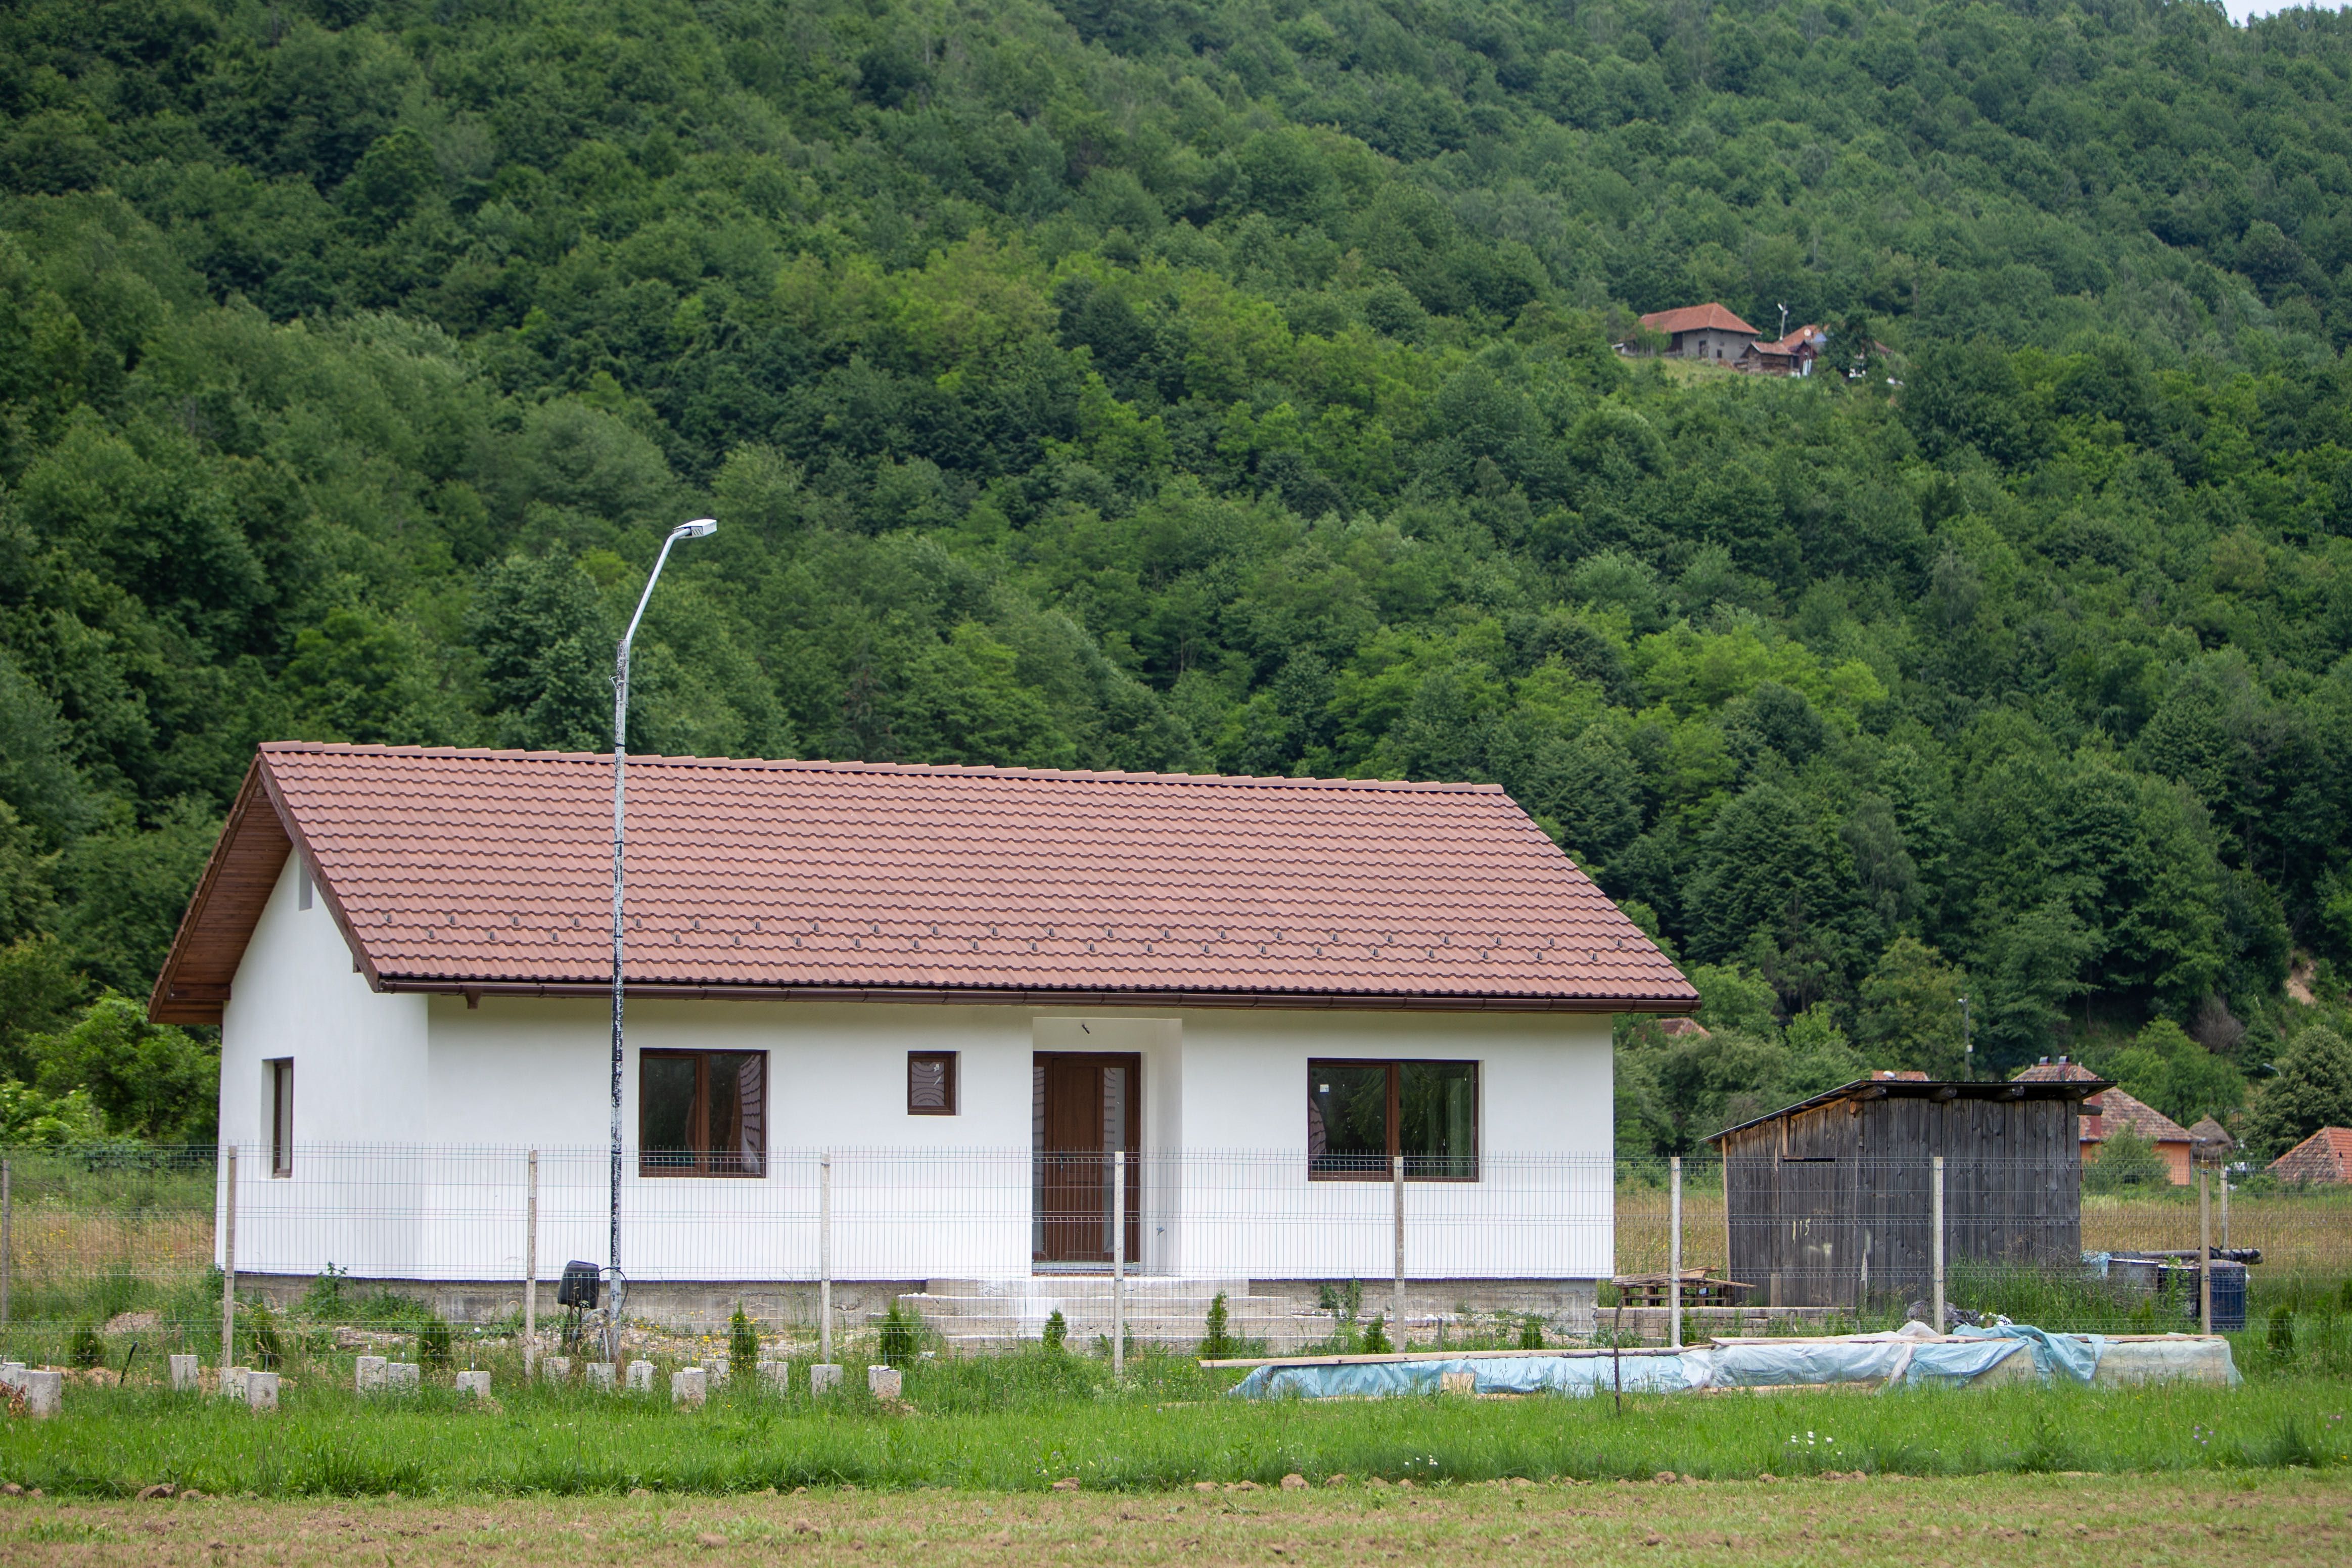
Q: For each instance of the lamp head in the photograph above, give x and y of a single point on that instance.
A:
(698, 529)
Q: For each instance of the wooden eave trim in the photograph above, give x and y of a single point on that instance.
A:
(171, 1002)
(361, 960)
(1048, 996)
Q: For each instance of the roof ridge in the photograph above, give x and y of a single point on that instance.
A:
(834, 765)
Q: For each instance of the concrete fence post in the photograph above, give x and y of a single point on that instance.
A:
(531, 1265)
(1674, 1251)
(1396, 1311)
(8, 1236)
(1117, 1263)
(825, 1258)
(2204, 1252)
(229, 1265)
(1935, 1246)
(2225, 1228)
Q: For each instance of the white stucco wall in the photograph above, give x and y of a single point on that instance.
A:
(413, 1115)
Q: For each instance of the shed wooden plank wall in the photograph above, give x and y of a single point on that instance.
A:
(1830, 1204)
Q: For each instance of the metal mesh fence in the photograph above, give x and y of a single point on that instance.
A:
(344, 1247)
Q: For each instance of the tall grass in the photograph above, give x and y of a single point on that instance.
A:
(1022, 1425)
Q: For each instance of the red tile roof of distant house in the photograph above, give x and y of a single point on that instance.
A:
(1798, 338)
(2118, 1109)
(1695, 319)
(483, 871)
(2325, 1156)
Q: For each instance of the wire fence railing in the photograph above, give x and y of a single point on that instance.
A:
(344, 1248)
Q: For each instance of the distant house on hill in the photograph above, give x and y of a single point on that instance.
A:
(1791, 355)
(1702, 331)
(2112, 1111)
(2325, 1156)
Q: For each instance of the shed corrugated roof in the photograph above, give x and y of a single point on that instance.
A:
(1696, 318)
(490, 870)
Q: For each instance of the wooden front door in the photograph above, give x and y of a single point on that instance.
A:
(1085, 1107)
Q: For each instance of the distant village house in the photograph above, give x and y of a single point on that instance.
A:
(2325, 1156)
(1714, 333)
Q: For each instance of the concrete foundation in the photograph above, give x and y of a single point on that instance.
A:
(555, 1368)
(261, 1392)
(776, 1375)
(367, 1374)
(232, 1382)
(44, 1393)
(599, 1376)
(689, 1386)
(641, 1377)
(885, 1382)
(186, 1374)
(403, 1376)
(477, 1384)
(824, 1376)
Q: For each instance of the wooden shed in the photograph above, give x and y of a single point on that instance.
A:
(1828, 1202)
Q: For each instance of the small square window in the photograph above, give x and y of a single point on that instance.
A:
(930, 1083)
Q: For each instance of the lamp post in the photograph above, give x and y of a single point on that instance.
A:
(698, 529)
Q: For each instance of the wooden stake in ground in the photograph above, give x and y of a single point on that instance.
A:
(2204, 1254)
(228, 1269)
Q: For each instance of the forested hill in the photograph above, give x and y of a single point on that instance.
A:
(1150, 384)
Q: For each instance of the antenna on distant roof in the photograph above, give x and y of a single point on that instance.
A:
(1784, 322)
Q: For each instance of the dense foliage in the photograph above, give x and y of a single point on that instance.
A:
(1203, 383)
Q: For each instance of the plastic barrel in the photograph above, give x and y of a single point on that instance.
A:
(2229, 1296)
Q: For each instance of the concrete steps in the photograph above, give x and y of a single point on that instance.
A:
(976, 1313)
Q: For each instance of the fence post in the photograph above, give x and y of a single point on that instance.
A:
(1935, 1253)
(2204, 1252)
(1396, 1313)
(2225, 1225)
(1118, 1263)
(228, 1269)
(825, 1258)
(531, 1267)
(1674, 1248)
(8, 1235)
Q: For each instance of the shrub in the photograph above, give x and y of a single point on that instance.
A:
(1376, 1339)
(2126, 1161)
(743, 1344)
(2281, 1333)
(89, 1349)
(1218, 1342)
(898, 1336)
(1531, 1332)
(322, 1301)
(1058, 1329)
(433, 1344)
(263, 1347)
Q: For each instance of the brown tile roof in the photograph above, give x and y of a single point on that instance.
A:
(2060, 1071)
(2325, 1156)
(1696, 318)
(2117, 1109)
(453, 871)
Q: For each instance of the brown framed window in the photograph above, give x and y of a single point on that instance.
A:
(1362, 1115)
(281, 1116)
(930, 1083)
(702, 1113)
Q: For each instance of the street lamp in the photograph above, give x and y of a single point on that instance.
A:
(700, 527)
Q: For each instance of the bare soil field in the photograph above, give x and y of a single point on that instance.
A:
(2276, 1517)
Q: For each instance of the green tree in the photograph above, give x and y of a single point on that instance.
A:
(2313, 1089)
(546, 655)
(1911, 1011)
(2175, 1074)
(152, 1080)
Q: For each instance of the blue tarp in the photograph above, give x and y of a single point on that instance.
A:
(1904, 1360)
(2072, 1356)
(1494, 1374)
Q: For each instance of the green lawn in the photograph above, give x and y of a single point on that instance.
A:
(1033, 1426)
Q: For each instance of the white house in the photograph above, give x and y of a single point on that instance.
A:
(935, 1000)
